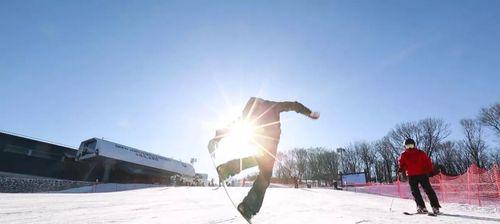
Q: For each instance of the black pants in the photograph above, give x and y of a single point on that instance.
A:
(255, 196)
(423, 180)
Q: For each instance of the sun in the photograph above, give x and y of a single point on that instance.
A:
(240, 139)
(242, 131)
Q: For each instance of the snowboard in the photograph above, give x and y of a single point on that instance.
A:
(414, 213)
(235, 172)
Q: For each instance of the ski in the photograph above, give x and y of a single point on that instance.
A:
(414, 213)
(222, 220)
(434, 214)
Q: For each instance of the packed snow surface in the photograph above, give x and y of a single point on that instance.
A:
(206, 205)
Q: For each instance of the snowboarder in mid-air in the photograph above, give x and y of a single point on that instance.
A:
(418, 167)
(265, 116)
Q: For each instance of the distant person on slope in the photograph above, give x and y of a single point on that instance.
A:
(418, 167)
(265, 115)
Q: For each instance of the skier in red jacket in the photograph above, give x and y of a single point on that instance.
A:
(418, 167)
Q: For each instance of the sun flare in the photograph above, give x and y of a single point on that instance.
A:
(240, 135)
(242, 131)
(239, 141)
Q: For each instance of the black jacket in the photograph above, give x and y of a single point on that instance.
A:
(265, 115)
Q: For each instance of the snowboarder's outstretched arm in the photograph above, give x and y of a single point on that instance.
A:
(219, 135)
(297, 107)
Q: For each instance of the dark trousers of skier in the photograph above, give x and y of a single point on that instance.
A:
(252, 203)
(423, 180)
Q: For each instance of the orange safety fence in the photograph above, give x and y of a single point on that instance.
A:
(477, 187)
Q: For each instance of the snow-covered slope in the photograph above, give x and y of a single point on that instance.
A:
(205, 205)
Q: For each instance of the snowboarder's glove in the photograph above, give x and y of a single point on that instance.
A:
(314, 115)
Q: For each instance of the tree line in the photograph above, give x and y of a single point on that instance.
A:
(379, 159)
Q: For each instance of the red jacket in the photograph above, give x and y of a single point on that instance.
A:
(415, 162)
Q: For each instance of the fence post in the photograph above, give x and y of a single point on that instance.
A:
(399, 187)
(478, 184)
(468, 186)
(442, 187)
(478, 192)
(497, 178)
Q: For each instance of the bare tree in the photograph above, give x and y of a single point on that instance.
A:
(404, 131)
(473, 142)
(285, 167)
(380, 171)
(495, 157)
(490, 117)
(313, 164)
(323, 165)
(300, 157)
(341, 153)
(366, 155)
(451, 159)
(433, 132)
(330, 164)
(319, 164)
(388, 155)
(351, 160)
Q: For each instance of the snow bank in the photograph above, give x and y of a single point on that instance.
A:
(24, 184)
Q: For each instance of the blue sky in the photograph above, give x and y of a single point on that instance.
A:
(155, 74)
